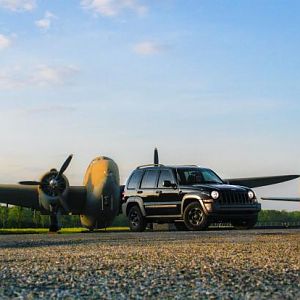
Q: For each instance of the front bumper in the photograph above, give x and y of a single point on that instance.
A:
(218, 211)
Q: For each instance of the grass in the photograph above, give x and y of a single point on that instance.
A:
(63, 230)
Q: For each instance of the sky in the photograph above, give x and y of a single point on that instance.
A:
(209, 82)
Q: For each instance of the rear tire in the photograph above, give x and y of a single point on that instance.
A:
(194, 217)
(244, 224)
(137, 222)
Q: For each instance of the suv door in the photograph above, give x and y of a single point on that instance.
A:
(147, 189)
(168, 197)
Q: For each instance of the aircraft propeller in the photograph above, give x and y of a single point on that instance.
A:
(156, 158)
(30, 183)
(53, 184)
(64, 166)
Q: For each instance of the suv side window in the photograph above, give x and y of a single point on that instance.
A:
(164, 175)
(149, 179)
(135, 179)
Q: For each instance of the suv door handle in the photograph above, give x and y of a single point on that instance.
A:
(140, 192)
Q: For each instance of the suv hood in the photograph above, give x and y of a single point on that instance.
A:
(217, 187)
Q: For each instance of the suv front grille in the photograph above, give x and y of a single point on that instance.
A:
(234, 197)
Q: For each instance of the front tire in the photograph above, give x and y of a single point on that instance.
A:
(244, 224)
(137, 222)
(194, 217)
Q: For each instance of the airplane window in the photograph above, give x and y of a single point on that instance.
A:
(149, 179)
(164, 175)
(135, 179)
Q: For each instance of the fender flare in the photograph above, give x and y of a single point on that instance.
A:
(139, 201)
(195, 197)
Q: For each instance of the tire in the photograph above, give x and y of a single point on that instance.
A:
(180, 226)
(194, 217)
(244, 224)
(137, 222)
(53, 228)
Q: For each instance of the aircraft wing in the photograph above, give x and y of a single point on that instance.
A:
(28, 196)
(292, 199)
(25, 196)
(253, 182)
(76, 199)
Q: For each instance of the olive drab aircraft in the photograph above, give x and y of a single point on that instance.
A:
(98, 200)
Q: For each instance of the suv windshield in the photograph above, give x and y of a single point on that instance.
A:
(190, 176)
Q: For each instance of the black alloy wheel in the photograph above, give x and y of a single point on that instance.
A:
(137, 222)
(194, 217)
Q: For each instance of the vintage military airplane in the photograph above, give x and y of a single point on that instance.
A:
(97, 201)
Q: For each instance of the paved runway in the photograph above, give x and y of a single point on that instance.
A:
(255, 264)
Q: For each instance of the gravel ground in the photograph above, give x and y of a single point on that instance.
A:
(256, 264)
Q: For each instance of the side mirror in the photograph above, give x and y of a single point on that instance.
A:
(168, 183)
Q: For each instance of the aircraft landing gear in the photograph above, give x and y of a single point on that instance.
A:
(54, 225)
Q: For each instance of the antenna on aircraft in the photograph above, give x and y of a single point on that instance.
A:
(156, 159)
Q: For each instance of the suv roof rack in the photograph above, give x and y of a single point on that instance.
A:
(186, 166)
(150, 165)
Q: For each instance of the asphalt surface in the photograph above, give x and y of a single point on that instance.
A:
(255, 264)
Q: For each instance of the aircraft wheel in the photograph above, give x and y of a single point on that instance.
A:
(53, 228)
(137, 222)
(194, 217)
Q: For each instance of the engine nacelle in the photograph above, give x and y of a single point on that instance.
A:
(102, 184)
(52, 189)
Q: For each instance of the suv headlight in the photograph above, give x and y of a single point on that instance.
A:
(251, 195)
(214, 194)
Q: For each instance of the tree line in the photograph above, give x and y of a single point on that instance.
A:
(18, 217)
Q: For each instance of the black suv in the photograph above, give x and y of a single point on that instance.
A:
(188, 196)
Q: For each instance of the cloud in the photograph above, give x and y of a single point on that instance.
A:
(111, 8)
(148, 48)
(40, 75)
(5, 42)
(52, 109)
(48, 75)
(45, 23)
(18, 5)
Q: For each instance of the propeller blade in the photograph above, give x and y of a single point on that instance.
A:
(64, 204)
(64, 166)
(30, 183)
(156, 159)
